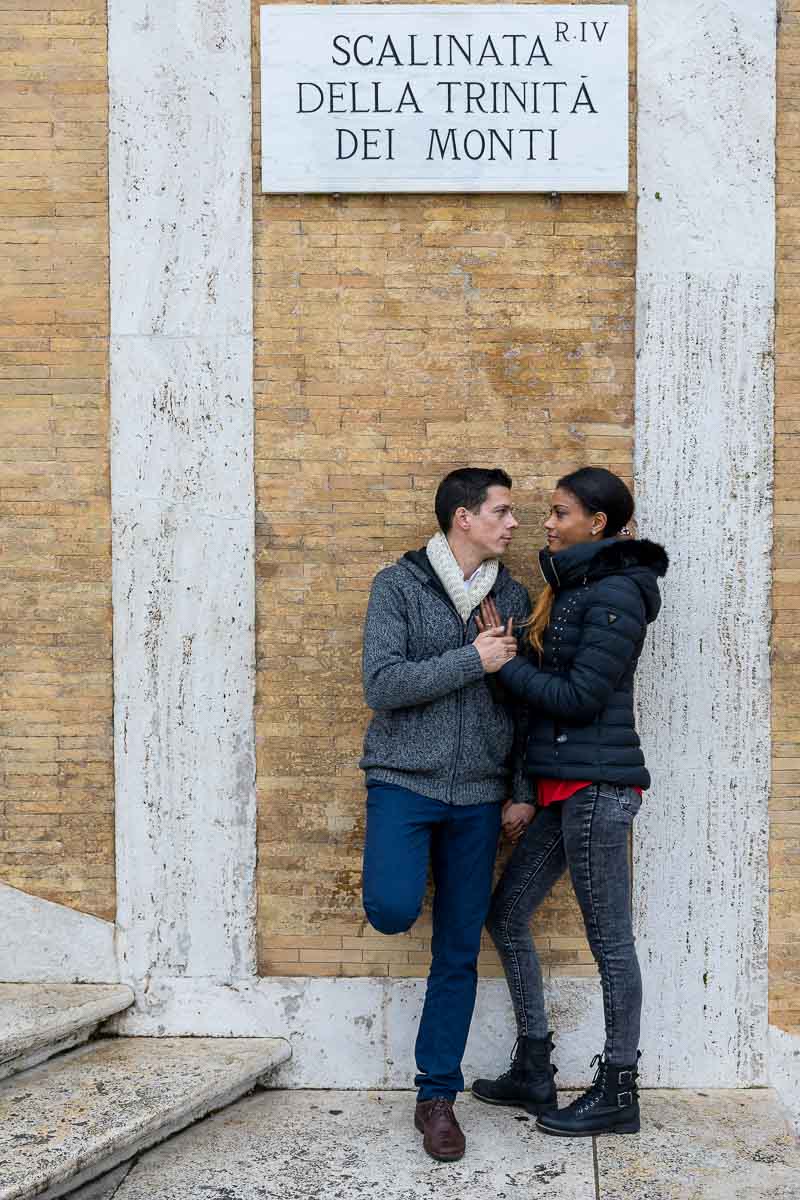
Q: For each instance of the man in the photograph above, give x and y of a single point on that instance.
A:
(442, 754)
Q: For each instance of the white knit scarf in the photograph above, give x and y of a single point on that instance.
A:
(465, 596)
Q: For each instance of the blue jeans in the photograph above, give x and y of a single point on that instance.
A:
(406, 831)
(589, 834)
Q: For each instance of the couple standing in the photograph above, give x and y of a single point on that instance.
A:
(488, 715)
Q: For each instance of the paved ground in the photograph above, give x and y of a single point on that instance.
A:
(294, 1145)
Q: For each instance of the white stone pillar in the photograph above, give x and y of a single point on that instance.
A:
(705, 297)
(182, 486)
(183, 576)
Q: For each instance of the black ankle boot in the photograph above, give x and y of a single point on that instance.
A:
(528, 1083)
(611, 1105)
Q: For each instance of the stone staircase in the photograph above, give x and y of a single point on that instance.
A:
(72, 1109)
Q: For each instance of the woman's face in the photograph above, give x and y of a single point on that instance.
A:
(569, 523)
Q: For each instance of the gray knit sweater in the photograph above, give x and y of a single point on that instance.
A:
(441, 726)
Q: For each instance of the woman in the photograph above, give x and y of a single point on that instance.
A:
(584, 638)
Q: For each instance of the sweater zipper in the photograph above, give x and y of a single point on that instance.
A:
(460, 702)
(463, 634)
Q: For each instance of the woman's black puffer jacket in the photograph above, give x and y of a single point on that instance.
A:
(581, 721)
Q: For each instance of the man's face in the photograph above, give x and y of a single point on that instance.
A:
(492, 526)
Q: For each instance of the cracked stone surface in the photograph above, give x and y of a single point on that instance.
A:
(68, 1121)
(318, 1145)
(709, 1145)
(40, 1019)
(104, 1188)
(293, 1145)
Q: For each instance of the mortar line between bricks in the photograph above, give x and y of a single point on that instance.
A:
(596, 1166)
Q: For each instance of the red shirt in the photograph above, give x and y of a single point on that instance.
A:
(550, 791)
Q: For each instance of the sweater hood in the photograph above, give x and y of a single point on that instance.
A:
(641, 560)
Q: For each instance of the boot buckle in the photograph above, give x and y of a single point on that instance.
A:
(625, 1077)
(624, 1099)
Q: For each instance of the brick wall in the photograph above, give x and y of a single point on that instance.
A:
(785, 804)
(56, 785)
(396, 338)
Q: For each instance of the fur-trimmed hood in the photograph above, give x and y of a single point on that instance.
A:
(639, 559)
(616, 554)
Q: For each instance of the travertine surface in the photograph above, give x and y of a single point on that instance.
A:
(83, 1113)
(704, 401)
(394, 339)
(43, 942)
(345, 1145)
(103, 1188)
(36, 1018)
(182, 486)
(360, 1033)
(349, 1145)
(710, 1145)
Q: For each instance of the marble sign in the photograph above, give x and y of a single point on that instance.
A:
(444, 98)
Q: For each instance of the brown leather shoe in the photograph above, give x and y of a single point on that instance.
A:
(442, 1136)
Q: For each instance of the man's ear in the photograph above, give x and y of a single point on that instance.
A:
(461, 518)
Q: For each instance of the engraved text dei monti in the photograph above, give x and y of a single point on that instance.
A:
(463, 98)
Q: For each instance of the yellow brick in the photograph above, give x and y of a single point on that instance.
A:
(372, 386)
(52, 163)
(330, 956)
(397, 337)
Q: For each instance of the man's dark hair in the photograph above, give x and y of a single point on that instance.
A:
(466, 488)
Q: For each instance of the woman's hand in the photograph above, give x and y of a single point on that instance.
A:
(516, 818)
(490, 619)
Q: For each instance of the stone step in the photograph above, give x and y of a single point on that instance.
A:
(322, 1145)
(38, 1020)
(68, 1121)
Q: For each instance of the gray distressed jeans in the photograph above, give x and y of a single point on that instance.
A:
(589, 835)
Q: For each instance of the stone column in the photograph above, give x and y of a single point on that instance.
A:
(182, 494)
(182, 486)
(704, 381)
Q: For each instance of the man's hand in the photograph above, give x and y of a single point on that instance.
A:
(496, 648)
(495, 642)
(516, 818)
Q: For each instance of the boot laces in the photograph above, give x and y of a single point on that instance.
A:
(596, 1090)
(515, 1068)
(513, 1060)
